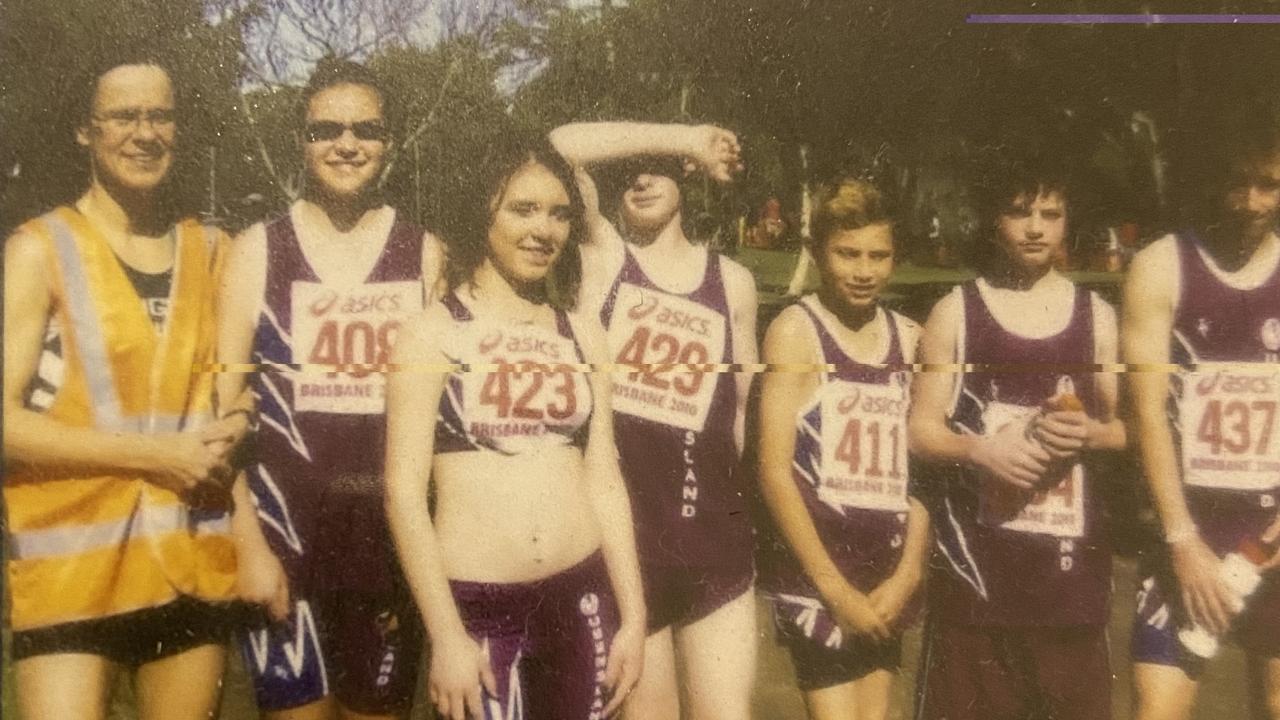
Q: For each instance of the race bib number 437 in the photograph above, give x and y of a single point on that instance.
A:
(348, 332)
(1230, 428)
(658, 336)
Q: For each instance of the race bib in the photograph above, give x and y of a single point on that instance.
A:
(535, 388)
(659, 335)
(1230, 432)
(350, 332)
(1057, 510)
(864, 446)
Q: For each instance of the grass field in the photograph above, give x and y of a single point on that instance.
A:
(775, 697)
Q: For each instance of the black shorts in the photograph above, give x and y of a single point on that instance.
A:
(134, 638)
(824, 655)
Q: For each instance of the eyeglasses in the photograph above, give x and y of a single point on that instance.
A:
(327, 130)
(129, 119)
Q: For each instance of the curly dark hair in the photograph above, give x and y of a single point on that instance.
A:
(999, 181)
(466, 226)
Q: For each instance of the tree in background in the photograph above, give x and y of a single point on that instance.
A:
(48, 51)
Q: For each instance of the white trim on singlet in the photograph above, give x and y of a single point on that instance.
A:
(1231, 278)
(818, 309)
(958, 356)
(980, 283)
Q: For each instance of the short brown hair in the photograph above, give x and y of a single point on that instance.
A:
(847, 204)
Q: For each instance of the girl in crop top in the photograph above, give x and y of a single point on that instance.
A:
(526, 573)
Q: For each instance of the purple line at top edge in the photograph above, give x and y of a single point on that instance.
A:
(1100, 19)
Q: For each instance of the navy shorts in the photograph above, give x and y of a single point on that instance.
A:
(548, 641)
(675, 595)
(135, 638)
(996, 673)
(823, 655)
(363, 648)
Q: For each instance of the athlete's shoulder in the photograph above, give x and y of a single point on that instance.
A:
(1160, 254)
(791, 336)
(948, 309)
(1154, 275)
(424, 332)
(736, 272)
(26, 247)
(909, 332)
(739, 284)
(249, 247)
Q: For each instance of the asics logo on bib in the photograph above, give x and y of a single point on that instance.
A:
(354, 303)
(668, 317)
(519, 344)
(533, 345)
(872, 405)
(1228, 383)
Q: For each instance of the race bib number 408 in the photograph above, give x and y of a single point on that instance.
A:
(1230, 429)
(658, 336)
(864, 446)
(349, 332)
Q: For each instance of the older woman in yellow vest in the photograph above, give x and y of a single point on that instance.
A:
(118, 527)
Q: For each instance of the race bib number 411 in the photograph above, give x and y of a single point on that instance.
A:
(1230, 432)
(349, 331)
(659, 336)
(864, 446)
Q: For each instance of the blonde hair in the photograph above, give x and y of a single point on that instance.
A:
(847, 204)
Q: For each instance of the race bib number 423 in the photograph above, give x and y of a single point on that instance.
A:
(1230, 429)
(349, 333)
(658, 336)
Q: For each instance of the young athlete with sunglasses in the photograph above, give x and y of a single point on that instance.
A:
(314, 300)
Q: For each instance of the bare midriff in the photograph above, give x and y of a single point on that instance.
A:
(511, 519)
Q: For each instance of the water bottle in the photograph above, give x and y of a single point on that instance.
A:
(1239, 572)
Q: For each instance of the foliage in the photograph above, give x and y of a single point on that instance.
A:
(49, 50)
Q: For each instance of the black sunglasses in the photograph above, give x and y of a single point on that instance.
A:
(326, 130)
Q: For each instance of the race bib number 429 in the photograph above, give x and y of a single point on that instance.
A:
(1230, 428)
(658, 336)
(348, 332)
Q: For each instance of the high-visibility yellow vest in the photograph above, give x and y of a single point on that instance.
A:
(84, 547)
